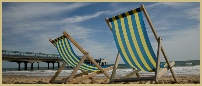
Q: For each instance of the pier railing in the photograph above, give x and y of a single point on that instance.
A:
(6, 53)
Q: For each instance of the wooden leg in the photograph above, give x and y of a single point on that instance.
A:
(77, 68)
(58, 71)
(138, 75)
(171, 70)
(115, 67)
(158, 60)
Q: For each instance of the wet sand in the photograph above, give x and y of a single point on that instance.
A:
(18, 79)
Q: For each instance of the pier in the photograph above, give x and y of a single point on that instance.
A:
(31, 57)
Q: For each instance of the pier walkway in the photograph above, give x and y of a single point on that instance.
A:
(31, 57)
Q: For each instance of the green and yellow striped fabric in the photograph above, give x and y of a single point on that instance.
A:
(132, 40)
(67, 54)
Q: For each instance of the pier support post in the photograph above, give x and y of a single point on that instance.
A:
(48, 64)
(18, 65)
(38, 65)
(58, 64)
(53, 65)
(25, 65)
(32, 65)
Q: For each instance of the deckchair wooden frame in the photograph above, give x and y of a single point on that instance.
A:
(84, 75)
(157, 73)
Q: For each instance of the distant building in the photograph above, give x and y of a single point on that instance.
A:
(101, 62)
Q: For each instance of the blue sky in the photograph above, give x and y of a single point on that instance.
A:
(28, 27)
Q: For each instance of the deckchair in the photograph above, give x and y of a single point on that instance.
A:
(66, 52)
(134, 46)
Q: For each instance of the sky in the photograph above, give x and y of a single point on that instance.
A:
(27, 27)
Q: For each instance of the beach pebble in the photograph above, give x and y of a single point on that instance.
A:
(185, 79)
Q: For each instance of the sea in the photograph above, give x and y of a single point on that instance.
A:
(191, 67)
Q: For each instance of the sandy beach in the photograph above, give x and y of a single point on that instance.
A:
(18, 79)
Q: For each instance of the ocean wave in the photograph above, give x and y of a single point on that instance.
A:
(119, 72)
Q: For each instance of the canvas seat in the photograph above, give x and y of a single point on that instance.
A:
(66, 53)
(134, 46)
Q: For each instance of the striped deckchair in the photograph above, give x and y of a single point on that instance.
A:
(133, 44)
(67, 54)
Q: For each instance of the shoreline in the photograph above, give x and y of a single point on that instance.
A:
(20, 79)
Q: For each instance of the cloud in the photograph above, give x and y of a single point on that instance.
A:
(189, 13)
(193, 13)
(26, 11)
(78, 32)
(77, 19)
(170, 4)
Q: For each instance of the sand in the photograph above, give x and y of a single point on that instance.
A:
(18, 79)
